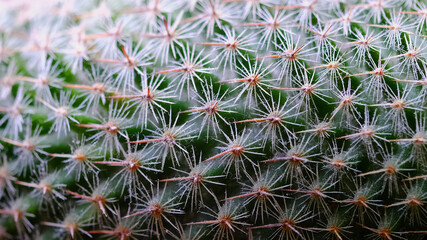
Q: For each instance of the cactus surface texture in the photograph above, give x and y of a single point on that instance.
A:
(213, 119)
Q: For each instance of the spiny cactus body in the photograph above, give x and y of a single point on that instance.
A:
(213, 119)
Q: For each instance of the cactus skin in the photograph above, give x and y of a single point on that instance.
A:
(213, 119)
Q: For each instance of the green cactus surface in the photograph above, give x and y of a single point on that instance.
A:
(213, 119)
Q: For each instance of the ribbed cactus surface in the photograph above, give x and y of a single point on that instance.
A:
(213, 119)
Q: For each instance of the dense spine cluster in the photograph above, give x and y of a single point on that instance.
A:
(213, 119)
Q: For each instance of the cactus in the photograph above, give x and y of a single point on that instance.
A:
(213, 119)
